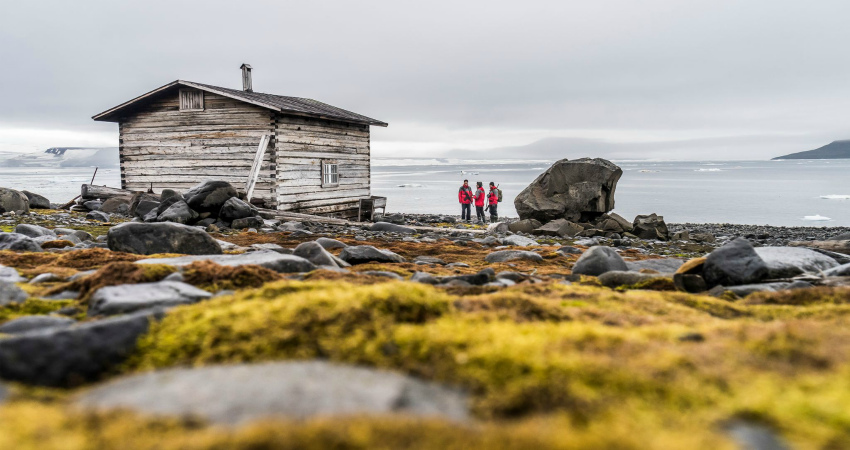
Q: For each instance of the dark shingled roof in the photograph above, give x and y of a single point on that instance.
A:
(291, 105)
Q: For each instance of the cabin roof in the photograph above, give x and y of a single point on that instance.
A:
(288, 105)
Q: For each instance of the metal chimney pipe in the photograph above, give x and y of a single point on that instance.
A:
(246, 78)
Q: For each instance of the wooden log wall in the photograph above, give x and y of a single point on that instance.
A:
(301, 146)
(164, 147)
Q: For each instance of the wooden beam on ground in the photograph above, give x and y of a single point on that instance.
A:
(286, 215)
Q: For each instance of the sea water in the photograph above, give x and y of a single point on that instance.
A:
(783, 193)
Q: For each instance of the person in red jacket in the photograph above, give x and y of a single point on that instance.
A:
(464, 196)
(479, 201)
(493, 202)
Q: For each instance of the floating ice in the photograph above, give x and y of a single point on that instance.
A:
(708, 170)
(648, 171)
(413, 185)
(835, 197)
(817, 218)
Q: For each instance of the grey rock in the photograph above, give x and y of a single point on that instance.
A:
(151, 216)
(116, 205)
(46, 278)
(178, 212)
(93, 205)
(567, 250)
(735, 263)
(316, 254)
(839, 271)
(840, 237)
(598, 260)
(176, 276)
(10, 275)
(747, 289)
(37, 201)
(383, 273)
(13, 201)
(126, 298)
(247, 222)
(150, 238)
(519, 241)
(524, 226)
(29, 323)
(788, 262)
(268, 259)
(145, 207)
(73, 355)
(97, 216)
(840, 258)
(457, 264)
(498, 228)
(651, 226)
(663, 265)
(209, 196)
(705, 238)
(237, 394)
(516, 277)
(624, 225)
(570, 189)
(360, 254)
(82, 235)
(511, 255)
(689, 282)
(478, 279)
(33, 231)
(424, 277)
(753, 436)
(391, 227)
(234, 209)
(330, 244)
(422, 259)
(18, 242)
(680, 236)
(551, 228)
(291, 226)
(9, 293)
(136, 201)
(169, 193)
(617, 278)
(270, 247)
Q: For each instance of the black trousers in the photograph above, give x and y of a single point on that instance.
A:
(465, 211)
(479, 212)
(494, 216)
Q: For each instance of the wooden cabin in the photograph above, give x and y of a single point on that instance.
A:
(315, 158)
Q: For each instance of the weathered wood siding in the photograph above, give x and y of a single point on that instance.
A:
(301, 145)
(164, 147)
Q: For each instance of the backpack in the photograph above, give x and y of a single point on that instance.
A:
(499, 194)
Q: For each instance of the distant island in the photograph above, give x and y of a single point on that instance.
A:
(833, 150)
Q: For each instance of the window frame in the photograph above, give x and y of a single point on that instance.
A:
(187, 91)
(328, 173)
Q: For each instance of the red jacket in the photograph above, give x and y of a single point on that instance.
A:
(479, 197)
(493, 197)
(464, 198)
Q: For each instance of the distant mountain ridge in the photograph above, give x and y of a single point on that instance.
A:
(833, 150)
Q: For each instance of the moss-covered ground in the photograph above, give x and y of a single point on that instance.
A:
(547, 364)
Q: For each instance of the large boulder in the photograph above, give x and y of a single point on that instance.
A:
(650, 226)
(735, 263)
(575, 190)
(150, 238)
(73, 355)
(524, 226)
(13, 201)
(788, 262)
(26, 324)
(237, 394)
(598, 260)
(209, 196)
(151, 202)
(19, 242)
(37, 201)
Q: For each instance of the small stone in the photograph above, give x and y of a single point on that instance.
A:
(97, 216)
(511, 255)
(10, 275)
(391, 228)
(116, 205)
(422, 259)
(519, 241)
(290, 226)
(18, 242)
(37, 201)
(689, 282)
(178, 212)
(33, 231)
(524, 226)
(316, 254)
(46, 278)
(329, 244)
(383, 273)
(234, 209)
(248, 222)
(424, 277)
(361, 254)
(598, 260)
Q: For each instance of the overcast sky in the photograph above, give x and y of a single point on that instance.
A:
(652, 78)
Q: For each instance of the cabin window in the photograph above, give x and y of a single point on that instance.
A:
(330, 174)
(191, 100)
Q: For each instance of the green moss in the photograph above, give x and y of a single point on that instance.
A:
(31, 306)
(652, 284)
